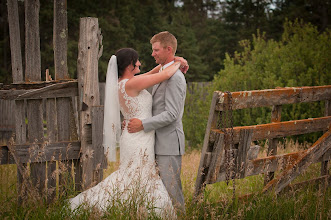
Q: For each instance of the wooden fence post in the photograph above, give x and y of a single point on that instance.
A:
(60, 38)
(87, 68)
(32, 41)
(272, 149)
(33, 73)
(15, 41)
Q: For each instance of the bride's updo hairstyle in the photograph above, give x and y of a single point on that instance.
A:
(125, 57)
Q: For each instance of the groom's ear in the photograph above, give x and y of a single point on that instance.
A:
(169, 49)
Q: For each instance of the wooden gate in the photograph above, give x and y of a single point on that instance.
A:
(216, 152)
(58, 123)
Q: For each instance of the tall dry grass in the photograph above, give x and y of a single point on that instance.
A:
(308, 202)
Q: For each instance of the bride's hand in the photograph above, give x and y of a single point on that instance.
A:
(123, 124)
(183, 64)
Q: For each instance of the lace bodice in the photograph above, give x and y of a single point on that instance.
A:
(134, 107)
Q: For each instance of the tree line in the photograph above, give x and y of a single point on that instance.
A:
(207, 30)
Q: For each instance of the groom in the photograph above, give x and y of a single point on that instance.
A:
(168, 108)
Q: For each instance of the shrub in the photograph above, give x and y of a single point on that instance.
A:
(301, 58)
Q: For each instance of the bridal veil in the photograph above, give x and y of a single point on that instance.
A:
(112, 121)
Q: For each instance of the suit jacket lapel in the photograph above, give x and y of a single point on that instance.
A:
(155, 87)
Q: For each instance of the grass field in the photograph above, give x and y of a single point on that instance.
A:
(308, 202)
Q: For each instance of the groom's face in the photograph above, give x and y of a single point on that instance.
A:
(160, 53)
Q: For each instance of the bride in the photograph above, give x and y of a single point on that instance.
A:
(137, 179)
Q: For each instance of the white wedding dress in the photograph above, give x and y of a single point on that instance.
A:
(136, 180)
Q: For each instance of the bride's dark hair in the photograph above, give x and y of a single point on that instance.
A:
(125, 57)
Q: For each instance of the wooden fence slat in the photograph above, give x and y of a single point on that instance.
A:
(217, 157)
(75, 134)
(320, 147)
(20, 138)
(7, 120)
(51, 137)
(35, 135)
(243, 148)
(41, 152)
(20, 128)
(270, 97)
(100, 162)
(63, 123)
(279, 129)
(15, 41)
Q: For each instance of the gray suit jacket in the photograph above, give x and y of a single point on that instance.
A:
(168, 108)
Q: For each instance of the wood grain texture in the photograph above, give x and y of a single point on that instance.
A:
(271, 97)
(15, 41)
(320, 147)
(203, 170)
(279, 129)
(88, 87)
(32, 41)
(41, 152)
(60, 38)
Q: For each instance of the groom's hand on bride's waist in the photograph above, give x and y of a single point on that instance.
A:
(135, 125)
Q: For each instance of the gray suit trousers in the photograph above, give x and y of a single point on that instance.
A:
(169, 167)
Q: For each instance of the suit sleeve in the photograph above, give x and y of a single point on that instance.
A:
(174, 98)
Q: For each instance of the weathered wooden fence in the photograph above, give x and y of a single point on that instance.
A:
(56, 121)
(226, 152)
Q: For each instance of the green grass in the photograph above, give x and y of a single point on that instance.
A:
(309, 202)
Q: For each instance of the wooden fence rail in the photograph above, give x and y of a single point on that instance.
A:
(52, 120)
(214, 166)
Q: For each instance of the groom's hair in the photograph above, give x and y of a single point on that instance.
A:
(125, 57)
(166, 39)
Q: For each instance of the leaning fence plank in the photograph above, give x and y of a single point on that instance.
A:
(32, 41)
(321, 146)
(15, 41)
(274, 163)
(203, 170)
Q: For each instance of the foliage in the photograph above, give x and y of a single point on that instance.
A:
(206, 30)
(195, 114)
(301, 58)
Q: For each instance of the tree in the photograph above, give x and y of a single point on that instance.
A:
(301, 58)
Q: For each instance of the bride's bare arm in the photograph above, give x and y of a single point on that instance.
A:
(154, 70)
(140, 82)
